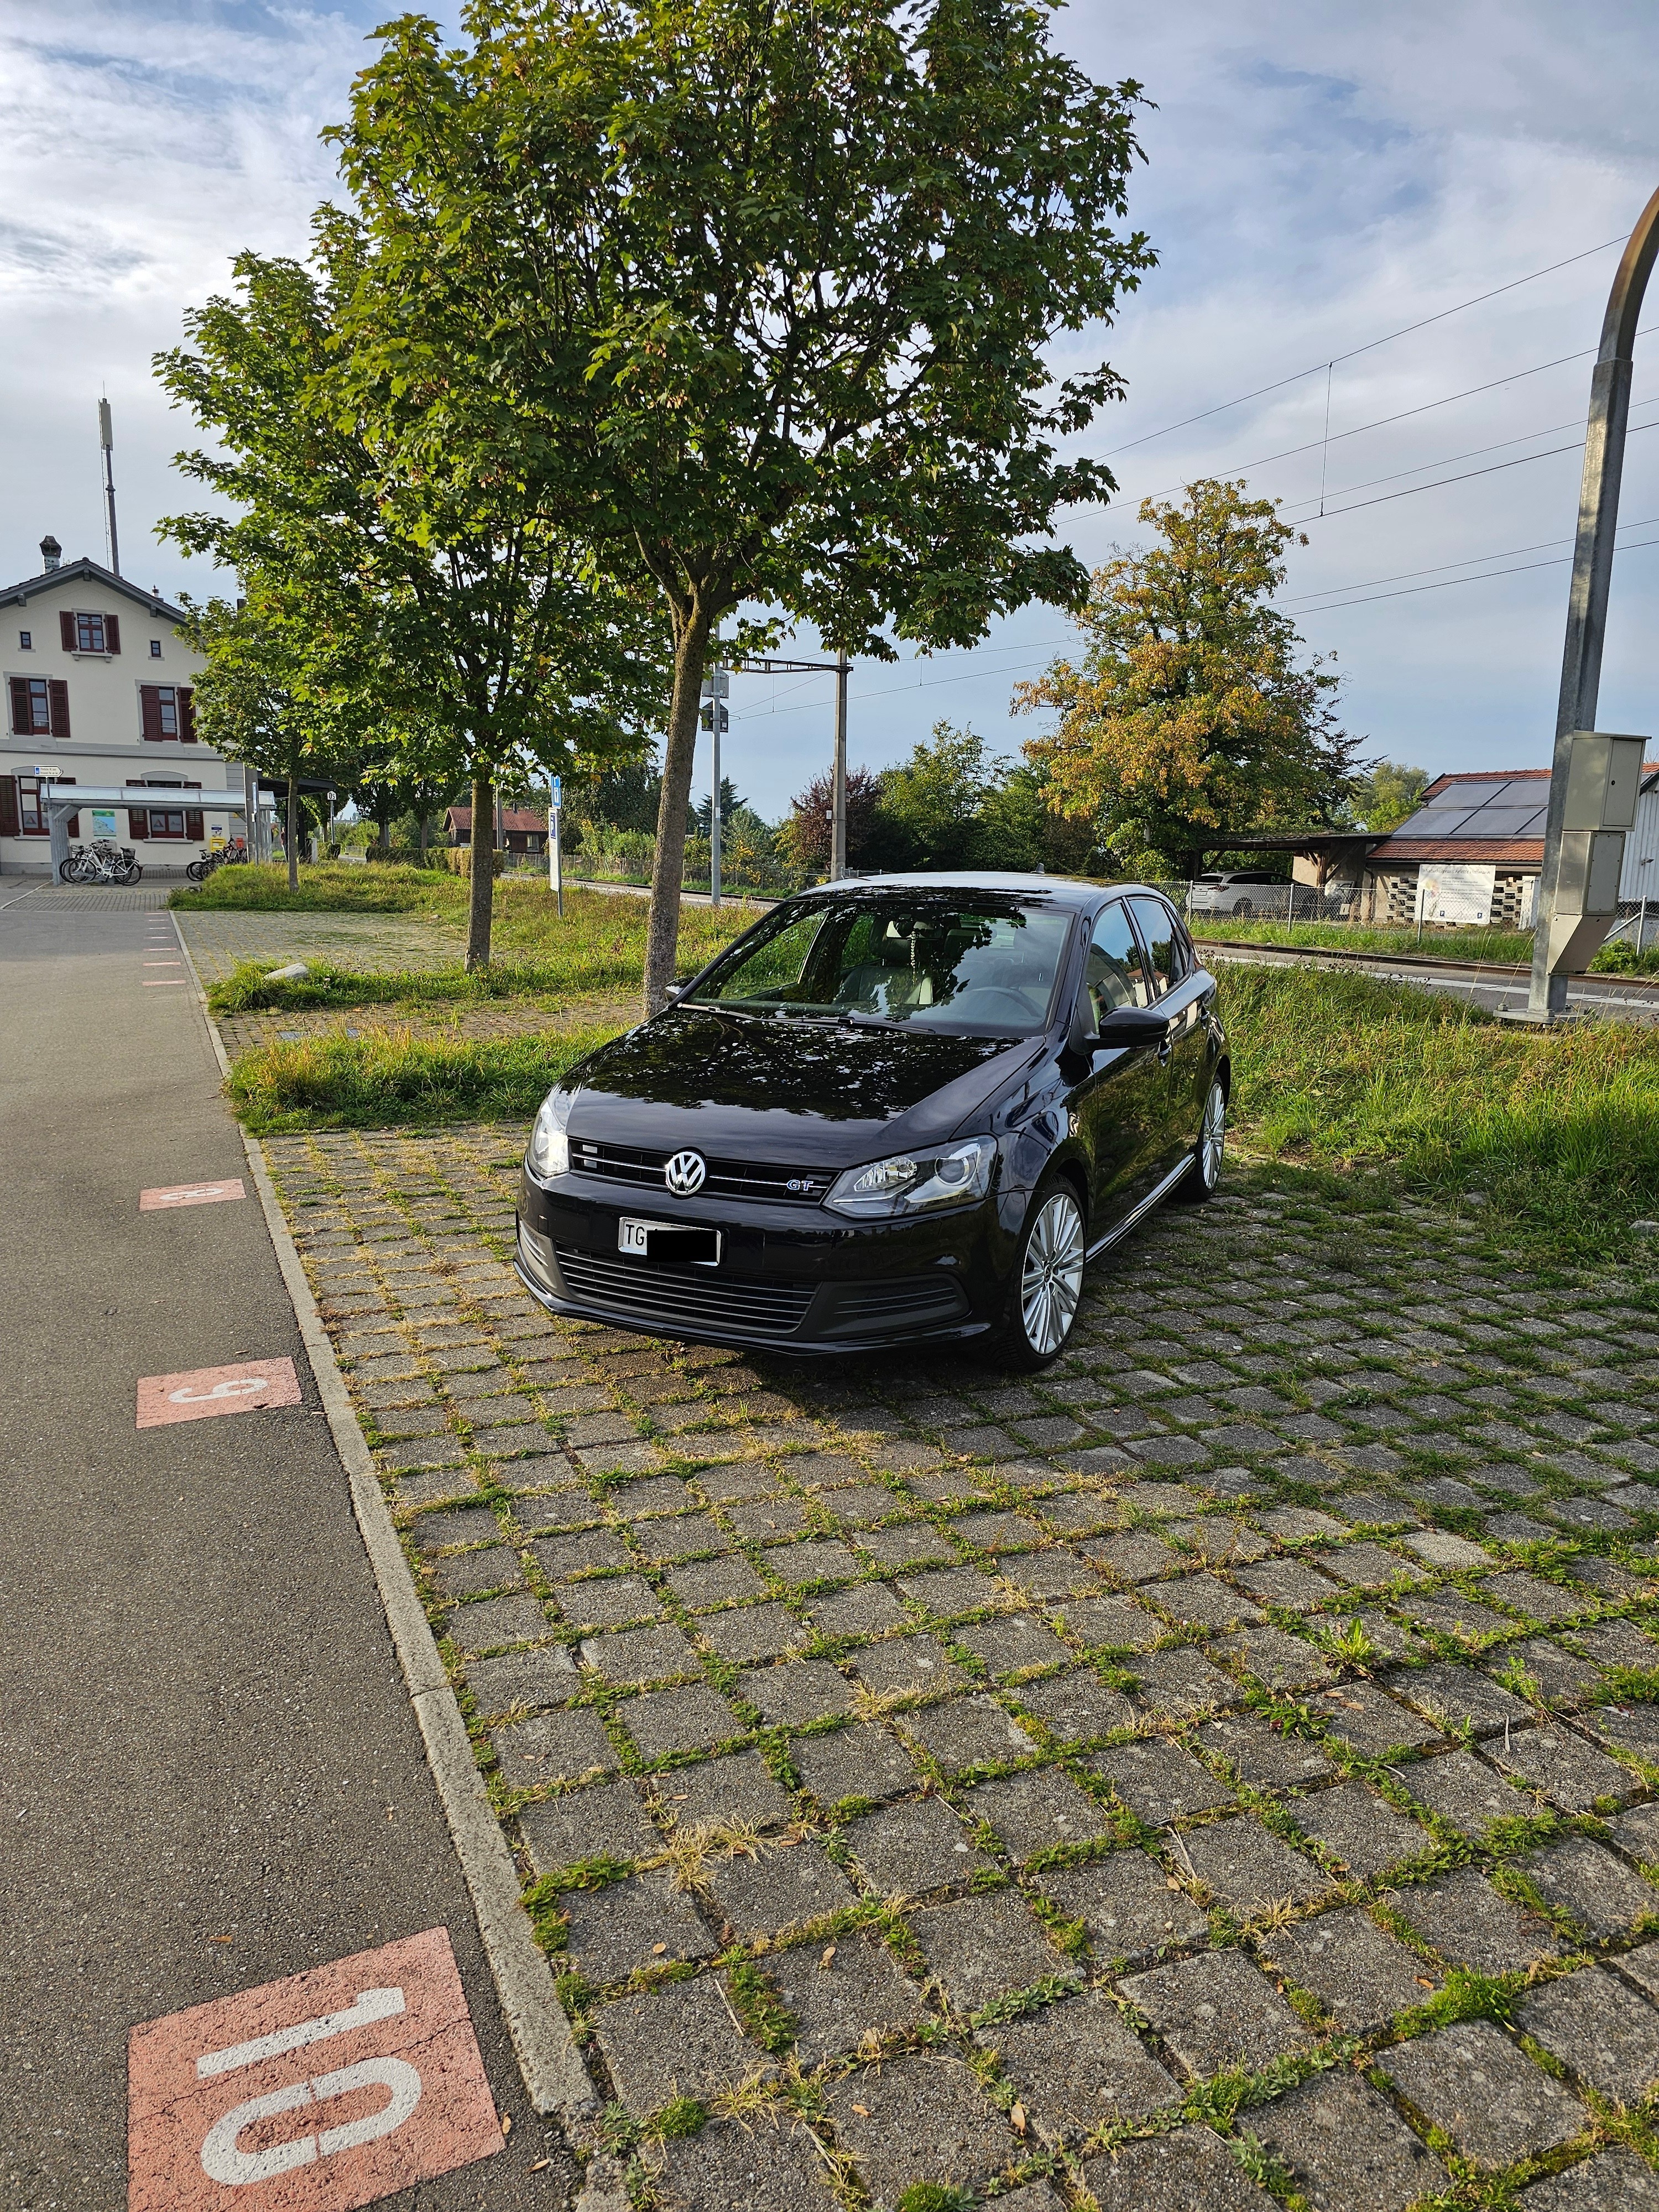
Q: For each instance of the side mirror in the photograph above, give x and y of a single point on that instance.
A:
(1132, 1026)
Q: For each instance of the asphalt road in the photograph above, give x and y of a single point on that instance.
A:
(210, 1776)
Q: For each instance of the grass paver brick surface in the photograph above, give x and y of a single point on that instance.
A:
(903, 1800)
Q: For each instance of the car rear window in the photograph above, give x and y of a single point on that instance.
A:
(925, 960)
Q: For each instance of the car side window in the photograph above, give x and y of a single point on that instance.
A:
(1116, 975)
(1166, 945)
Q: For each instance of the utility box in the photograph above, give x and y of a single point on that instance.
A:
(1603, 781)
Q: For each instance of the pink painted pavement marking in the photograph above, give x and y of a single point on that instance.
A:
(190, 1194)
(203, 1392)
(160, 982)
(317, 2093)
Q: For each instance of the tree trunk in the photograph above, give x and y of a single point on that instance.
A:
(663, 930)
(425, 826)
(480, 904)
(292, 833)
(385, 821)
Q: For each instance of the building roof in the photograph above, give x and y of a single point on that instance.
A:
(1489, 814)
(513, 817)
(88, 571)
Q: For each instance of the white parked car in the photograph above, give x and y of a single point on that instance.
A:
(1240, 891)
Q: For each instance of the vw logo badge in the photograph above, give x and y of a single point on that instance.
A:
(684, 1174)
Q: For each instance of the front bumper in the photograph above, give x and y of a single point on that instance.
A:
(790, 1277)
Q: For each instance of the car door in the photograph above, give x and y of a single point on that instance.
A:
(1119, 1104)
(1184, 990)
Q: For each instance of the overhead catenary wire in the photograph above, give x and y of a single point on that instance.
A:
(1354, 352)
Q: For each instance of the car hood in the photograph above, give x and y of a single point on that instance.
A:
(787, 1090)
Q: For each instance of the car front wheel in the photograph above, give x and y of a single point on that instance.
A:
(1047, 1280)
(1203, 1179)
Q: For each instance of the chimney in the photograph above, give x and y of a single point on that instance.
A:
(50, 552)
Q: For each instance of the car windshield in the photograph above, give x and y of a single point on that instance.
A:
(968, 962)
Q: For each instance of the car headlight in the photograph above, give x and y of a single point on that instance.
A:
(548, 1154)
(910, 1182)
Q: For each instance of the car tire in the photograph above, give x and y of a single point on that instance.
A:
(1046, 1285)
(1242, 908)
(1203, 1177)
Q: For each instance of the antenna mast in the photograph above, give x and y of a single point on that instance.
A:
(107, 440)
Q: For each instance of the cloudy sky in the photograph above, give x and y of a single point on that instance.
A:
(1321, 175)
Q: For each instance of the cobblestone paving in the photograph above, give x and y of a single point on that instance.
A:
(218, 939)
(1223, 1772)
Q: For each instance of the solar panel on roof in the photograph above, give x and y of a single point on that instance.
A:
(1496, 821)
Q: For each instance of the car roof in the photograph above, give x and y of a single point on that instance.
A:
(1071, 892)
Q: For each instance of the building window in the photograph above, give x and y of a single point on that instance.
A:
(164, 713)
(82, 633)
(32, 816)
(40, 706)
(155, 648)
(26, 640)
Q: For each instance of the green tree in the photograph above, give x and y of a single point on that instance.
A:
(1190, 719)
(252, 702)
(440, 607)
(932, 802)
(1020, 829)
(1384, 798)
(761, 294)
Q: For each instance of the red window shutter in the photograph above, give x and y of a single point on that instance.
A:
(186, 716)
(193, 823)
(111, 633)
(150, 714)
(72, 827)
(137, 817)
(10, 825)
(22, 714)
(58, 693)
(66, 630)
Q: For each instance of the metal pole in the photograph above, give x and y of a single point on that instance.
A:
(1592, 575)
(555, 849)
(107, 440)
(838, 801)
(715, 811)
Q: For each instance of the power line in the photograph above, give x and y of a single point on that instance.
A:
(1561, 561)
(1509, 553)
(1474, 452)
(1465, 476)
(1382, 422)
(1354, 352)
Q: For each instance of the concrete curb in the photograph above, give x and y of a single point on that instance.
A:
(554, 2074)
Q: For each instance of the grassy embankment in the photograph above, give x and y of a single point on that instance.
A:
(390, 1077)
(1507, 946)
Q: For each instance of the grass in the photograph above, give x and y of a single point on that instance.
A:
(393, 1080)
(598, 948)
(1511, 947)
(1558, 1129)
(371, 889)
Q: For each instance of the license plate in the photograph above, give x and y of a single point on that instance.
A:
(673, 1241)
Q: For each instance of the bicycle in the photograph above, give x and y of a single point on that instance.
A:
(103, 862)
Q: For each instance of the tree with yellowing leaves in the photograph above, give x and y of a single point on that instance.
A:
(1191, 717)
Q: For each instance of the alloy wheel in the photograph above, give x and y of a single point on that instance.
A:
(1051, 1276)
(1213, 1137)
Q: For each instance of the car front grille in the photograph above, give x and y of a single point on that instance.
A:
(910, 1302)
(642, 1169)
(750, 1305)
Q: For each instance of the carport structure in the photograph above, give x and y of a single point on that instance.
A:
(62, 802)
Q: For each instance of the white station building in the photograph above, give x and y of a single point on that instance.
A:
(99, 688)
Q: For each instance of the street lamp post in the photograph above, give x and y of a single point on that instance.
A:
(768, 664)
(1583, 829)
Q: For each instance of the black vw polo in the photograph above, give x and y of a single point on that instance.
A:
(898, 1110)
